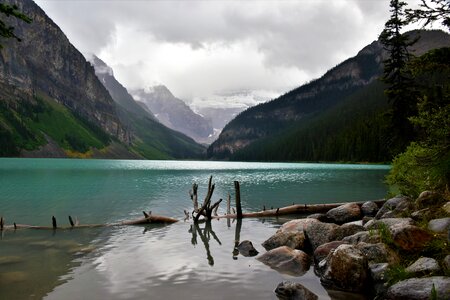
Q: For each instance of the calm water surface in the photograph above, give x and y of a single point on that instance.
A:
(156, 262)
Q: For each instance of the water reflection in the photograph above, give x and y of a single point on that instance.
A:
(205, 235)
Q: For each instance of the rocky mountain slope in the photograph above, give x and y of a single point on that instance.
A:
(174, 113)
(297, 107)
(52, 103)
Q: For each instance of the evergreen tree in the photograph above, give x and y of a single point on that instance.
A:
(399, 92)
(7, 31)
(430, 12)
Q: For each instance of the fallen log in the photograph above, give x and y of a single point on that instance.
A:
(148, 220)
(293, 209)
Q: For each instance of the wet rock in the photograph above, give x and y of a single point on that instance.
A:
(378, 274)
(420, 289)
(292, 239)
(346, 230)
(319, 233)
(346, 269)
(394, 207)
(246, 249)
(424, 266)
(296, 225)
(371, 237)
(378, 253)
(410, 238)
(369, 209)
(439, 225)
(323, 250)
(319, 217)
(344, 213)
(286, 260)
(7, 260)
(288, 290)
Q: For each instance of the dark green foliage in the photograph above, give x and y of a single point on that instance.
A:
(426, 163)
(354, 130)
(400, 90)
(430, 11)
(7, 31)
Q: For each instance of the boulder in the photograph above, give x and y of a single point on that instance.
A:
(419, 214)
(378, 274)
(286, 260)
(446, 207)
(292, 239)
(319, 233)
(296, 225)
(446, 263)
(346, 269)
(320, 217)
(420, 289)
(344, 213)
(346, 230)
(371, 237)
(323, 250)
(439, 225)
(429, 198)
(424, 266)
(288, 290)
(246, 249)
(389, 222)
(410, 237)
(378, 253)
(394, 206)
(369, 209)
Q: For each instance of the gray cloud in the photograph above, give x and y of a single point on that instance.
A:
(199, 47)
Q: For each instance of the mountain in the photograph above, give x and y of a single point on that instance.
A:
(174, 113)
(150, 137)
(292, 118)
(52, 104)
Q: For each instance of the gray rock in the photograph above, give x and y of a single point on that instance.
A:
(439, 225)
(446, 207)
(420, 289)
(366, 219)
(419, 214)
(346, 269)
(378, 253)
(323, 250)
(378, 273)
(344, 213)
(394, 206)
(446, 263)
(292, 239)
(424, 266)
(371, 237)
(429, 198)
(319, 233)
(369, 209)
(319, 217)
(346, 230)
(286, 260)
(296, 225)
(288, 290)
(389, 222)
(246, 249)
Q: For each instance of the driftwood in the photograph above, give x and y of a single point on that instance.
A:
(294, 209)
(206, 210)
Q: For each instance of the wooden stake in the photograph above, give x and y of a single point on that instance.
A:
(54, 222)
(238, 199)
(229, 204)
(1, 223)
(71, 221)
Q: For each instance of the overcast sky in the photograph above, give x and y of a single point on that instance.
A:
(200, 48)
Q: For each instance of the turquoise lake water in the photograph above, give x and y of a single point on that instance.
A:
(156, 262)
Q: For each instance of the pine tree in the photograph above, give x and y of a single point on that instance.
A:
(400, 90)
(431, 11)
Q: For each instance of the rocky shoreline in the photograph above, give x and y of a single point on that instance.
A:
(397, 251)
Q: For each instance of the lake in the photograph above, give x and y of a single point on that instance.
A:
(156, 262)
